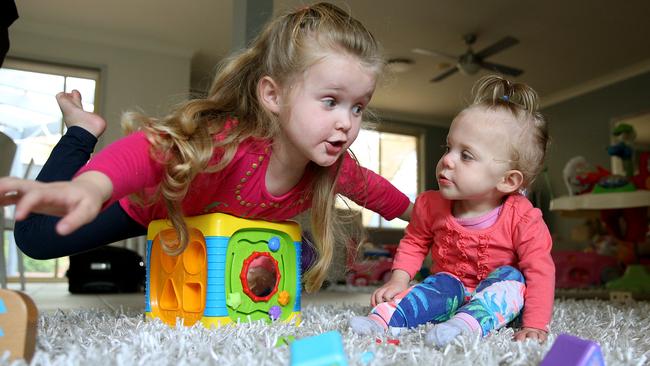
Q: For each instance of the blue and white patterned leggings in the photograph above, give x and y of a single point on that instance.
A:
(497, 300)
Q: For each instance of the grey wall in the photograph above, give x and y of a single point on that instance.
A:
(134, 73)
(581, 126)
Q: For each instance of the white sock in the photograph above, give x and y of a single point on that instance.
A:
(443, 333)
(396, 331)
(365, 326)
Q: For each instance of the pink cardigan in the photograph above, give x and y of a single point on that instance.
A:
(239, 189)
(518, 238)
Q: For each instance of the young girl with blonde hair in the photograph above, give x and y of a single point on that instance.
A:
(268, 142)
(490, 247)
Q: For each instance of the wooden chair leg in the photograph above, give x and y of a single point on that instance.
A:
(18, 320)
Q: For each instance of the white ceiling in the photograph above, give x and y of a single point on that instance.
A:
(566, 47)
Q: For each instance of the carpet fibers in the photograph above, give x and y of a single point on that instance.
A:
(122, 338)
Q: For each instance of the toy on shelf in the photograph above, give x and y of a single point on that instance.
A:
(623, 149)
(642, 179)
(18, 318)
(614, 183)
(375, 267)
(320, 350)
(568, 350)
(233, 270)
(580, 176)
(635, 279)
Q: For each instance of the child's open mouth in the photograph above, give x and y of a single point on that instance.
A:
(334, 147)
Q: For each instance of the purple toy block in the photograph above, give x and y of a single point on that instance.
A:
(568, 350)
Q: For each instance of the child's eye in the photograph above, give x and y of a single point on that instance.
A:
(466, 156)
(357, 109)
(329, 102)
(445, 148)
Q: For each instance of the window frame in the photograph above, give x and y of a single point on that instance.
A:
(66, 71)
(394, 127)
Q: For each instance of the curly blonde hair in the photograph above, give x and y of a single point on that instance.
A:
(530, 143)
(183, 141)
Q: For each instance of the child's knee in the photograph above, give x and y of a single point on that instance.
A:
(31, 245)
(509, 273)
(441, 277)
(446, 282)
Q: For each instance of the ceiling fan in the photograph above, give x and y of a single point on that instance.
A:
(471, 62)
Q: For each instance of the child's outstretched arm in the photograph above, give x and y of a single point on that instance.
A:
(406, 215)
(78, 201)
(372, 191)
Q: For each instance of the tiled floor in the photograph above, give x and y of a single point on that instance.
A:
(53, 296)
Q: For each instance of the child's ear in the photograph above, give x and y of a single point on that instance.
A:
(269, 93)
(512, 181)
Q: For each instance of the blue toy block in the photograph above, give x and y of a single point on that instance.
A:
(568, 350)
(320, 350)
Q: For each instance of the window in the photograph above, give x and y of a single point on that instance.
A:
(30, 116)
(394, 156)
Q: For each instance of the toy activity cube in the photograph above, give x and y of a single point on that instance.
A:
(233, 270)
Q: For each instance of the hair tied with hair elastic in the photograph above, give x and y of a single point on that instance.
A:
(506, 98)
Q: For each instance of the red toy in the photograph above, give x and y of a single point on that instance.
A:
(374, 268)
(394, 342)
(576, 269)
(642, 180)
(590, 179)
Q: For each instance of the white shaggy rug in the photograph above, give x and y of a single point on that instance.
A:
(122, 338)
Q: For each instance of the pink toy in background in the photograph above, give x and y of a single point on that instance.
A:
(576, 269)
(375, 267)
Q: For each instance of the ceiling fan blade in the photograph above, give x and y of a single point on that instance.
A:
(497, 47)
(421, 51)
(506, 70)
(444, 74)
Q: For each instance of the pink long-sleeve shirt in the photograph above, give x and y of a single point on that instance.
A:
(518, 238)
(239, 189)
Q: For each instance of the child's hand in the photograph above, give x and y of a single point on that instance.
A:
(530, 333)
(399, 281)
(78, 201)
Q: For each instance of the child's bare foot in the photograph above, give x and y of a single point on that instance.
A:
(74, 115)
